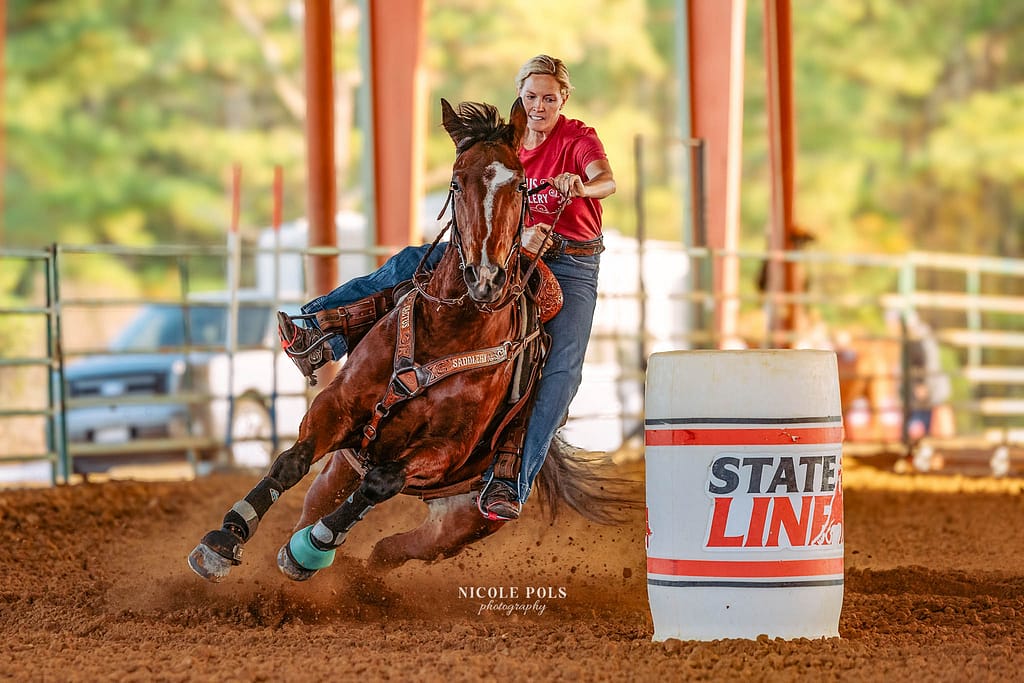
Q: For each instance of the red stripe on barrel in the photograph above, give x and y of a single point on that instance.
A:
(771, 436)
(746, 569)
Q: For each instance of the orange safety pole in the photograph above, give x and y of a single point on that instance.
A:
(399, 117)
(278, 212)
(716, 35)
(278, 197)
(234, 274)
(321, 193)
(236, 197)
(778, 46)
(3, 121)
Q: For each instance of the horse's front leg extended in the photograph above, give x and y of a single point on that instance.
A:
(312, 548)
(221, 549)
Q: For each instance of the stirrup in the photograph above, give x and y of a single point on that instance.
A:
(317, 351)
(512, 508)
(287, 344)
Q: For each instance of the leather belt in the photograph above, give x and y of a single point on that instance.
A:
(560, 245)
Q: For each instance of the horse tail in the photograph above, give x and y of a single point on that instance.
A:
(588, 485)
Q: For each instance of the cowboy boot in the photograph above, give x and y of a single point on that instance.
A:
(499, 501)
(307, 347)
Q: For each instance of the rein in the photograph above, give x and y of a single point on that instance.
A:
(421, 276)
(562, 203)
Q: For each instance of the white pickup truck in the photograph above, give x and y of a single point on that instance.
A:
(169, 385)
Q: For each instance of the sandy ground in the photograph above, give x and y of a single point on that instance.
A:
(94, 586)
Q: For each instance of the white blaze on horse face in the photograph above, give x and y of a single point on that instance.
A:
(496, 175)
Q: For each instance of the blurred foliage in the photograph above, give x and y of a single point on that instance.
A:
(123, 117)
(911, 129)
(623, 84)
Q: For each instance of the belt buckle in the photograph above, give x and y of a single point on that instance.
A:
(558, 243)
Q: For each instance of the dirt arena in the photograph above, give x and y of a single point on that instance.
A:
(95, 586)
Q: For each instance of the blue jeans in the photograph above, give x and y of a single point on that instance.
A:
(569, 330)
(563, 370)
(395, 270)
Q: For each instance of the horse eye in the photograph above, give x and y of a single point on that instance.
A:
(456, 187)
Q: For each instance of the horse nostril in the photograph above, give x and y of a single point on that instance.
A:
(499, 278)
(471, 274)
(488, 275)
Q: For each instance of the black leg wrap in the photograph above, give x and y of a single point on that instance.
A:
(221, 549)
(331, 530)
(292, 465)
(381, 482)
(245, 515)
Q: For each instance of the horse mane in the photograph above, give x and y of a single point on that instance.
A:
(477, 122)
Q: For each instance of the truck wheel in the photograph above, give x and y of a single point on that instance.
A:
(250, 434)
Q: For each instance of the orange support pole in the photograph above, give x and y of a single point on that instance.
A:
(716, 39)
(3, 120)
(778, 46)
(321, 193)
(399, 117)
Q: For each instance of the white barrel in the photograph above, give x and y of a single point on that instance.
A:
(744, 494)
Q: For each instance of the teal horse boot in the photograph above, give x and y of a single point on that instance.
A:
(299, 559)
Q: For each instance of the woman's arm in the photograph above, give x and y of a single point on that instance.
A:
(599, 184)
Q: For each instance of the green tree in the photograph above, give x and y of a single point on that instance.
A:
(124, 117)
(910, 124)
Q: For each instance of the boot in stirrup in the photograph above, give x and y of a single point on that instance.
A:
(307, 347)
(499, 502)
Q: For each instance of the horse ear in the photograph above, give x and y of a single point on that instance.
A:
(517, 118)
(448, 115)
(451, 122)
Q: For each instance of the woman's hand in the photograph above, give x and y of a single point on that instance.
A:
(569, 184)
(533, 238)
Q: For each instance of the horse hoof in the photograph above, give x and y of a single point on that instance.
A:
(290, 568)
(213, 558)
(299, 559)
(208, 564)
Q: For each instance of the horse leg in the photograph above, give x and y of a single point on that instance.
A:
(221, 549)
(451, 524)
(332, 485)
(313, 547)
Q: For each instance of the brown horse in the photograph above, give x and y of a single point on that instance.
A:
(425, 419)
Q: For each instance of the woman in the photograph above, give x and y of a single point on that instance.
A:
(569, 156)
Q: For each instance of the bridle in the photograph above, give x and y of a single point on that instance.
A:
(513, 288)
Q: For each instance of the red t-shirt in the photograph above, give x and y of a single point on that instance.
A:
(569, 148)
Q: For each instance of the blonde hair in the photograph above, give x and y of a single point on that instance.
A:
(545, 66)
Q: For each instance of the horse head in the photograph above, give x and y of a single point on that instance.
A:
(487, 193)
